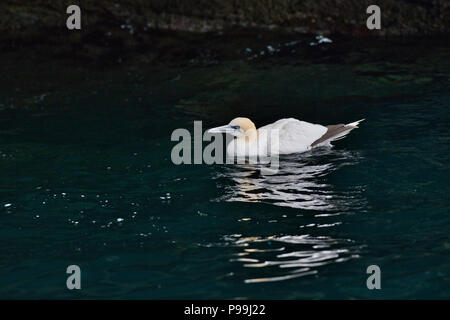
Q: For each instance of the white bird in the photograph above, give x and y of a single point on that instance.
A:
(281, 137)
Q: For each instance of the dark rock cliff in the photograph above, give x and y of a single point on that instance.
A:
(173, 28)
(399, 17)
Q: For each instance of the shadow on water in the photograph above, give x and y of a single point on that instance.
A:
(301, 183)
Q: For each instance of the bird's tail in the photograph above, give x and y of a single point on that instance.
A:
(354, 124)
(336, 132)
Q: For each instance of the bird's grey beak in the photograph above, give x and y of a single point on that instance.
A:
(223, 129)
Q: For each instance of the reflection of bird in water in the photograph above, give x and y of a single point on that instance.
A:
(284, 136)
(290, 256)
(303, 246)
(298, 183)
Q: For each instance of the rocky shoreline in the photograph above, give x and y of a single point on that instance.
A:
(400, 17)
(166, 31)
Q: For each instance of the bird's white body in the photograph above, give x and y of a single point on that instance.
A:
(284, 136)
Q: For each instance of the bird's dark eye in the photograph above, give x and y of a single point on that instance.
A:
(236, 127)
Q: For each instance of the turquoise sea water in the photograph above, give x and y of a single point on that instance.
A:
(86, 178)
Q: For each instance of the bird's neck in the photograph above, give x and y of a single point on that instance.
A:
(250, 136)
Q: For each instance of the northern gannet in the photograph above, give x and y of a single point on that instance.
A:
(293, 136)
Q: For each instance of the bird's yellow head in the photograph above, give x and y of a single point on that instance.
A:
(238, 127)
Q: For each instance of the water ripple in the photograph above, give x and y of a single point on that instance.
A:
(299, 183)
(300, 255)
(302, 183)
